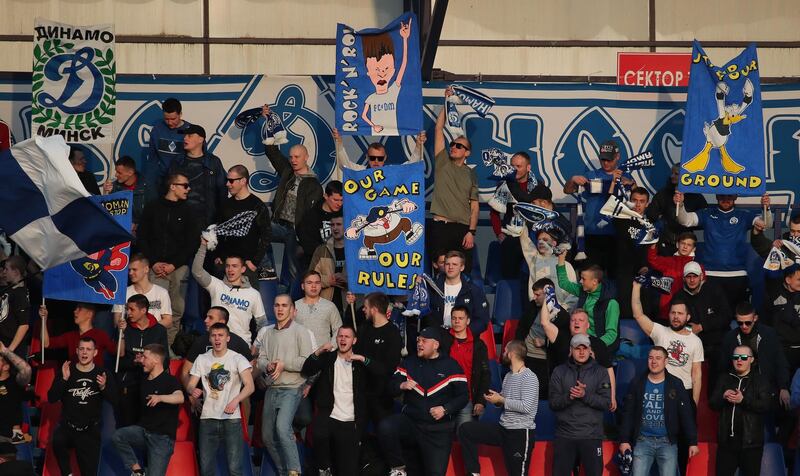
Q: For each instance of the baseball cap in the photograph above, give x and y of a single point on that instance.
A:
(692, 267)
(194, 129)
(580, 339)
(431, 333)
(608, 150)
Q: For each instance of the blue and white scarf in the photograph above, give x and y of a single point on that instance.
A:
(479, 102)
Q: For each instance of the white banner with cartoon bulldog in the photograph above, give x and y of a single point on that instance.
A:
(559, 125)
(74, 78)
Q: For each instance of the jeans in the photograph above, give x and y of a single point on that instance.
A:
(659, 449)
(159, 448)
(280, 405)
(211, 433)
(284, 233)
(423, 448)
(464, 415)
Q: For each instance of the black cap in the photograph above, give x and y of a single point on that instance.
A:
(432, 333)
(194, 129)
(608, 150)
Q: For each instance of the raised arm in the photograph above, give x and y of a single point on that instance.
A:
(438, 140)
(550, 329)
(638, 313)
(684, 218)
(23, 369)
(405, 33)
(201, 275)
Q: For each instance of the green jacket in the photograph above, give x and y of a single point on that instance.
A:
(608, 312)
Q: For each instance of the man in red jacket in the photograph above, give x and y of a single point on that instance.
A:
(672, 267)
(472, 355)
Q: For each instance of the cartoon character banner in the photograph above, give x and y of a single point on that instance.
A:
(378, 79)
(74, 81)
(384, 219)
(101, 277)
(723, 136)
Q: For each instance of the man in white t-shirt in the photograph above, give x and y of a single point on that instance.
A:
(139, 276)
(225, 379)
(234, 293)
(684, 353)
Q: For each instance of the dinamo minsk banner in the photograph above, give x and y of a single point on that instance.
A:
(74, 78)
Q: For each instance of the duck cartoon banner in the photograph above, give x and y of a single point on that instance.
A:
(723, 136)
(100, 277)
(384, 220)
(379, 80)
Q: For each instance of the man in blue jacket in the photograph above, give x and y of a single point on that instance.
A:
(434, 388)
(656, 410)
(458, 291)
(166, 143)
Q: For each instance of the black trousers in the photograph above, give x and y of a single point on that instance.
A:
(127, 410)
(602, 251)
(735, 288)
(86, 444)
(588, 453)
(442, 237)
(510, 258)
(746, 460)
(341, 437)
(517, 446)
(424, 449)
(540, 367)
(683, 443)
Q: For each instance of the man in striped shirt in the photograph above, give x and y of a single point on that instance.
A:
(515, 432)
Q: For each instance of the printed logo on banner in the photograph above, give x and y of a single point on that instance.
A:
(303, 126)
(74, 77)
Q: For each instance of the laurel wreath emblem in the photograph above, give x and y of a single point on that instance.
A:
(101, 115)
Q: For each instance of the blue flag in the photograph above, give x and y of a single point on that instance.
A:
(723, 136)
(379, 80)
(384, 218)
(100, 277)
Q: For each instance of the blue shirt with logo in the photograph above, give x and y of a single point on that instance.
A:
(725, 245)
(653, 424)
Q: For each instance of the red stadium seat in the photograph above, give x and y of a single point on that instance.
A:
(44, 380)
(487, 337)
(175, 366)
(48, 419)
(509, 330)
(705, 463)
(183, 461)
(707, 422)
(185, 424)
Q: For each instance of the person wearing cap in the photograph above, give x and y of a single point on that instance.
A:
(434, 390)
(711, 316)
(580, 392)
(743, 398)
(655, 412)
(725, 230)
(599, 232)
(167, 237)
(454, 205)
(684, 353)
(205, 173)
(165, 142)
(515, 432)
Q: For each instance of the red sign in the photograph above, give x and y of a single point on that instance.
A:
(653, 69)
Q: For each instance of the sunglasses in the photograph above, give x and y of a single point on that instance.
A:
(745, 323)
(184, 185)
(458, 145)
(740, 357)
(376, 158)
(231, 180)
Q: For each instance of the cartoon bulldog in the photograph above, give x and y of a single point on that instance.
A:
(383, 225)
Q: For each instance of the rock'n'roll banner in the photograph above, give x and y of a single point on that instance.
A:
(723, 136)
(74, 82)
(379, 80)
(100, 277)
(384, 220)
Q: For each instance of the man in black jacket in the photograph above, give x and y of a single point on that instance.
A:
(81, 387)
(298, 190)
(418, 440)
(341, 402)
(742, 397)
(458, 290)
(167, 236)
(655, 412)
(663, 208)
(315, 229)
(580, 392)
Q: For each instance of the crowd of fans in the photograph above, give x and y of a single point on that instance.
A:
(373, 394)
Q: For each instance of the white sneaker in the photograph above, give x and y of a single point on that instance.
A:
(397, 472)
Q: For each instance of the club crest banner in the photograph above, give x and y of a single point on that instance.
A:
(723, 136)
(384, 218)
(101, 277)
(378, 79)
(74, 82)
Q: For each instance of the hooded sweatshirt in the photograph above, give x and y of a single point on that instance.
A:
(242, 301)
(130, 372)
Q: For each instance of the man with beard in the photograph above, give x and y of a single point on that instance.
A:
(663, 208)
(81, 387)
(684, 354)
(515, 431)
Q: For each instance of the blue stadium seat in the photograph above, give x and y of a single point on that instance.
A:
(268, 291)
(475, 273)
(625, 373)
(545, 422)
(629, 329)
(772, 463)
(757, 279)
(491, 414)
(507, 303)
(496, 379)
(492, 275)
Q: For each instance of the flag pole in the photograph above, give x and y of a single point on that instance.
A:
(353, 313)
(43, 323)
(119, 349)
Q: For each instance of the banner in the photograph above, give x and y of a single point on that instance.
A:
(101, 277)
(378, 79)
(723, 136)
(384, 218)
(74, 78)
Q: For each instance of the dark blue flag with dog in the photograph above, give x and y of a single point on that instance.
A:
(384, 220)
(379, 80)
(100, 277)
(723, 135)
